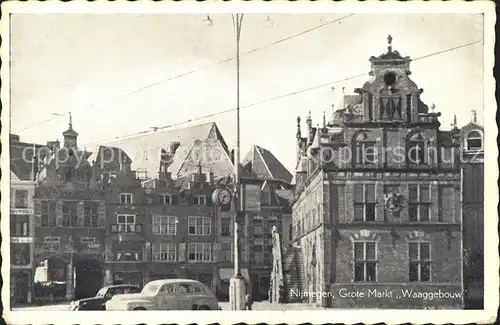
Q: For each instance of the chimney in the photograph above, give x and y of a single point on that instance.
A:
(14, 138)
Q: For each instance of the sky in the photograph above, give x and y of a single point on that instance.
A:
(93, 65)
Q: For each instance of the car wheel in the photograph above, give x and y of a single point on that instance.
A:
(203, 308)
(139, 308)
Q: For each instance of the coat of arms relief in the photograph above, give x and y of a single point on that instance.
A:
(393, 202)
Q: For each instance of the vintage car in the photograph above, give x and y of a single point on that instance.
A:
(170, 294)
(104, 294)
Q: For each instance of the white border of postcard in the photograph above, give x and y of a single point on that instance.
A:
(348, 316)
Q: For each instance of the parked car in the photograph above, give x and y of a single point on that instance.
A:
(171, 294)
(104, 294)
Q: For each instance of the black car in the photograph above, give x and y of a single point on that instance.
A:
(99, 301)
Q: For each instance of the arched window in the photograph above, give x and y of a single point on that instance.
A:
(416, 149)
(474, 141)
(365, 152)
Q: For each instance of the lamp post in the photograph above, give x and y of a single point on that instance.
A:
(237, 282)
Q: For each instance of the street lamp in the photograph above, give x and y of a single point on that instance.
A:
(237, 282)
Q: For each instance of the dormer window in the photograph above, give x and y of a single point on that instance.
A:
(165, 199)
(474, 141)
(126, 198)
(200, 200)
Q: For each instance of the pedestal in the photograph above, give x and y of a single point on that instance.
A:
(237, 293)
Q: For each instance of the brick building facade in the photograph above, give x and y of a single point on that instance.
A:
(69, 222)
(377, 198)
(472, 145)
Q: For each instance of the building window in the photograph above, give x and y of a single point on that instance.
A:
(21, 199)
(126, 222)
(364, 202)
(49, 214)
(164, 252)
(420, 261)
(51, 243)
(165, 199)
(19, 225)
(126, 198)
(416, 150)
(128, 256)
(365, 261)
(474, 141)
(164, 225)
(290, 232)
(199, 252)
(419, 202)
(257, 248)
(70, 216)
(365, 149)
(227, 252)
(90, 214)
(199, 226)
(20, 254)
(200, 200)
(225, 225)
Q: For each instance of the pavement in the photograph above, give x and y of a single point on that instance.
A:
(262, 305)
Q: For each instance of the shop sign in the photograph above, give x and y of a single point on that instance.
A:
(21, 240)
(21, 211)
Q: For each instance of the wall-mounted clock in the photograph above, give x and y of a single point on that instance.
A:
(222, 196)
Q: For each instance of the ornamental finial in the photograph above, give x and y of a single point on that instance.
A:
(389, 41)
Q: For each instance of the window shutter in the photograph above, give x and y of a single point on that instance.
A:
(38, 213)
(217, 256)
(80, 212)
(209, 200)
(101, 214)
(59, 216)
(182, 252)
(175, 199)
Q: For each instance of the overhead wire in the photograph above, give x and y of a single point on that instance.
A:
(129, 93)
(167, 128)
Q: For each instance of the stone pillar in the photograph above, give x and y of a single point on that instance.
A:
(70, 285)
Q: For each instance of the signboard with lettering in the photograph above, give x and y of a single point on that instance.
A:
(21, 211)
(252, 197)
(21, 240)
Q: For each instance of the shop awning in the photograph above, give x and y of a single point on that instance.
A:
(227, 273)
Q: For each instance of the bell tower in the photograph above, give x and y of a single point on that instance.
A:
(70, 135)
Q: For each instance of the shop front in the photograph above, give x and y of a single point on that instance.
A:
(21, 286)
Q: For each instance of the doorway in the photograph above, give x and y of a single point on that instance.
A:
(88, 277)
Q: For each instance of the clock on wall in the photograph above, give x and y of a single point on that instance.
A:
(222, 196)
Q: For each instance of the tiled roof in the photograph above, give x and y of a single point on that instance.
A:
(265, 165)
(109, 157)
(21, 156)
(145, 151)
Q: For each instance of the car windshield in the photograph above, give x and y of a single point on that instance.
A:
(150, 289)
(101, 292)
